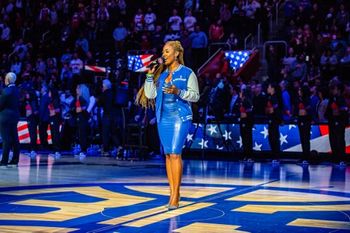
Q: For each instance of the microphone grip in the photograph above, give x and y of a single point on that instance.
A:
(156, 62)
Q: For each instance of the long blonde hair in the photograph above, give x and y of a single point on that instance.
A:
(141, 98)
(84, 92)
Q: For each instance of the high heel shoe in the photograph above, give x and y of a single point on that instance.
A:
(173, 207)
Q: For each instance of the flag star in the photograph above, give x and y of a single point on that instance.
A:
(227, 135)
(291, 127)
(233, 125)
(189, 137)
(219, 147)
(283, 139)
(310, 132)
(257, 147)
(240, 142)
(253, 128)
(212, 129)
(265, 132)
(203, 143)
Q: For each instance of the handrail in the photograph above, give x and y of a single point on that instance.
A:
(259, 33)
(246, 39)
(44, 35)
(10, 55)
(207, 61)
(277, 12)
(270, 23)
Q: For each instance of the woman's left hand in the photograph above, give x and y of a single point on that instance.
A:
(171, 90)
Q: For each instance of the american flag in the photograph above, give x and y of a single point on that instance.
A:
(139, 63)
(237, 58)
(96, 69)
(289, 138)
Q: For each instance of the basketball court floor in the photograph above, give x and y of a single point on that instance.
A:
(93, 194)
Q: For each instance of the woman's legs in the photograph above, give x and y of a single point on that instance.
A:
(170, 176)
(176, 169)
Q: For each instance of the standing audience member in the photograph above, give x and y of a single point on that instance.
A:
(32, 116)
(304, 121)
(81, 104)
(337, 115)
(44, 116)
(9, 116)
(106, 103)
(199, 47)
(246, 121)
(274, 120)
(55, 120)
(322, 104)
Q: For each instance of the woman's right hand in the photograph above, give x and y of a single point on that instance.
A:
(152, 70)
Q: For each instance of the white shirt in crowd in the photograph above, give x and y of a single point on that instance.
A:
(6, 32)
(171, 36)
(76, 65)
(250, 9)
(150, 19)
(138, 20)
(189, 22)
(175, 22)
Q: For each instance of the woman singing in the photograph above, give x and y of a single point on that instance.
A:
(173, 86)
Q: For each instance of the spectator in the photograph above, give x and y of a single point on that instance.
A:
(286, 102)
(199, 47)
(139, 20)
(81, 104)
(216, 32)
(246, 121)
(259, 102)
(158, 37)
(108, 123)
(273, 116)
(16, 65)
(322, 104)
(336, 114)
(119, 34)
(150, 20)
(82, 44)
(304, 120)
(232, 40)
(55, 120)
(219, 97)
(299, 71)
(225, 13)
(328, 64)
(172, 35)
(175, 21)
(44, 115)
(32, 116)
(190, 21)
(346, 58)
(233, 111)
(273, 64)
(76, 64)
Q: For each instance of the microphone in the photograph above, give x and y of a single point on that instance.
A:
(156, 62)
